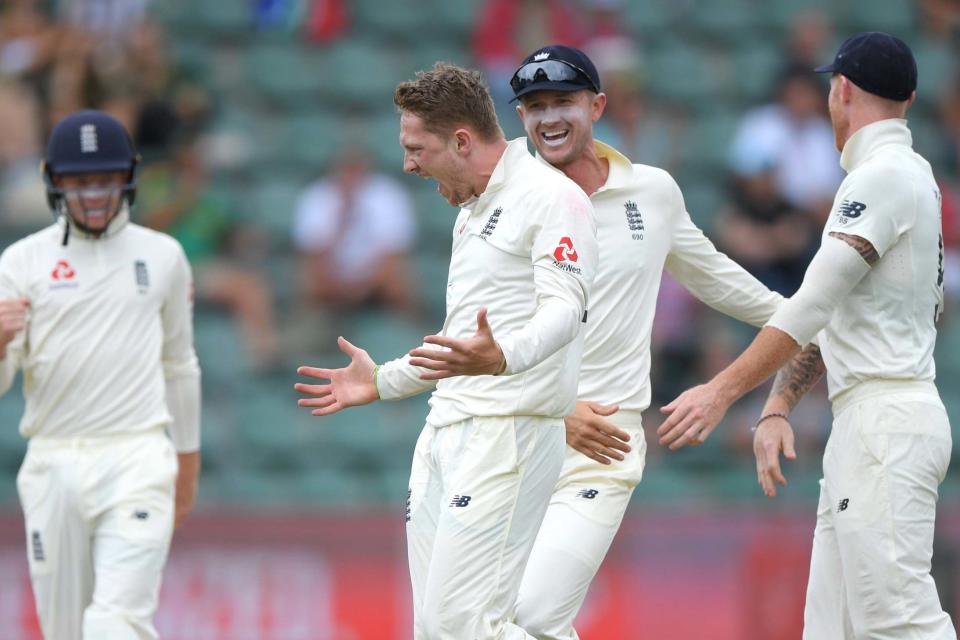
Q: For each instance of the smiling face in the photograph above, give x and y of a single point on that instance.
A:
(429, 155)
(560, 123)
(92, 199)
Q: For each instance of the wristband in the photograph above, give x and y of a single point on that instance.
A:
(376, 372)
(769, 415)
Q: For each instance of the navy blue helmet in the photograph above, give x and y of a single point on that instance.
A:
(88, 142)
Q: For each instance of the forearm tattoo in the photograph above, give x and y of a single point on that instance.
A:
(799, 375)
(862, 245)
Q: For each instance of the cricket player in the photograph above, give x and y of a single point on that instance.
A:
(524, 247)
(643, 228)
(871, 296)
(97, 312)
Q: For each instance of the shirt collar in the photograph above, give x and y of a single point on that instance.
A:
(865, 141)
(515, 153)
(506, 166)
(620, 168)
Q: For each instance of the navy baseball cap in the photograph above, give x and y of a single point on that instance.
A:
(555, 68)
(878, 63)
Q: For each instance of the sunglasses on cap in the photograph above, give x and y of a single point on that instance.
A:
(550, 71)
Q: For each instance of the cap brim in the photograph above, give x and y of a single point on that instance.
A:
(88, 167)
(826, 68)
(551, 86)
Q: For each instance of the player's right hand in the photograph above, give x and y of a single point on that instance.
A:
(13, 318)
(347, 387)
(772, 436)
(594, 437)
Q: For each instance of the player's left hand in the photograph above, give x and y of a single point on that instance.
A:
(187, 475)
(475, 356)
(692, 416)
(772, 436)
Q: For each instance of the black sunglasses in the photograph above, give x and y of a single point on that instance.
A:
(549, 71)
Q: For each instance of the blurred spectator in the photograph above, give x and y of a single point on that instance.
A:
(767, 234)
(950, 124)
(809, 40)
(23, 202)
(27, 40)
(111, 56)
(792, 137)
(940, 18)
(27, 43)
(354, 230)
(105, 19)
(508, 29)
(631, 122)
(174, 196)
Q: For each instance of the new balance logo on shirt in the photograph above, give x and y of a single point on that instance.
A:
(589, 494)
(460, 501)
(851, 208)
(843, 505)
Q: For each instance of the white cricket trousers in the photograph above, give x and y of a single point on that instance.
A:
(99, 517)
(870, 567)
(478, 492)
(585, 512)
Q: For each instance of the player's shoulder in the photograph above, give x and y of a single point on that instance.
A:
(648, 176)
(880, 178)
(154, 240)
(39, 239)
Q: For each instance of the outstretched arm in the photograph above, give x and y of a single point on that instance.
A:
(832, 275)
(773, 432)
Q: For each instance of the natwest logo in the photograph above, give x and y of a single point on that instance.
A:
(63, 271)
(565, 250)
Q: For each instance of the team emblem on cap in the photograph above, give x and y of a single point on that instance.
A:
(541, 56)
(88, 139)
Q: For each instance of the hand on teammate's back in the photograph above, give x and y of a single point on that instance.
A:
(594, 437)
(13, 318)
(772, 436)
(475, 356)
(692, 417)
(350, 386)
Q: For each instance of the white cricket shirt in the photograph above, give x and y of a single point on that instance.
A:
(109, 318)
(886, 328)
(643, 227)
(526, 250)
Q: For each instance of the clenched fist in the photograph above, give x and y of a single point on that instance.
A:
(13, 318)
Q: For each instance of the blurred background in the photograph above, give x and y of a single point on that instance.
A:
(270, 152)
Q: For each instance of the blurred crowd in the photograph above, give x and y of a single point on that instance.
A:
(355, 229)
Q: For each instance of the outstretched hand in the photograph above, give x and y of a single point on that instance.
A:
(474, 356)
(350, 386)
(692, 417)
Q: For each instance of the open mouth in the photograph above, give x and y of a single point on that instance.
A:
(554, 138)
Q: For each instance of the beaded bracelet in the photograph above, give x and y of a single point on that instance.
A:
(769, 415)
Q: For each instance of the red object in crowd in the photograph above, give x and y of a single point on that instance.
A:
(499, 26)
(327, 20)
